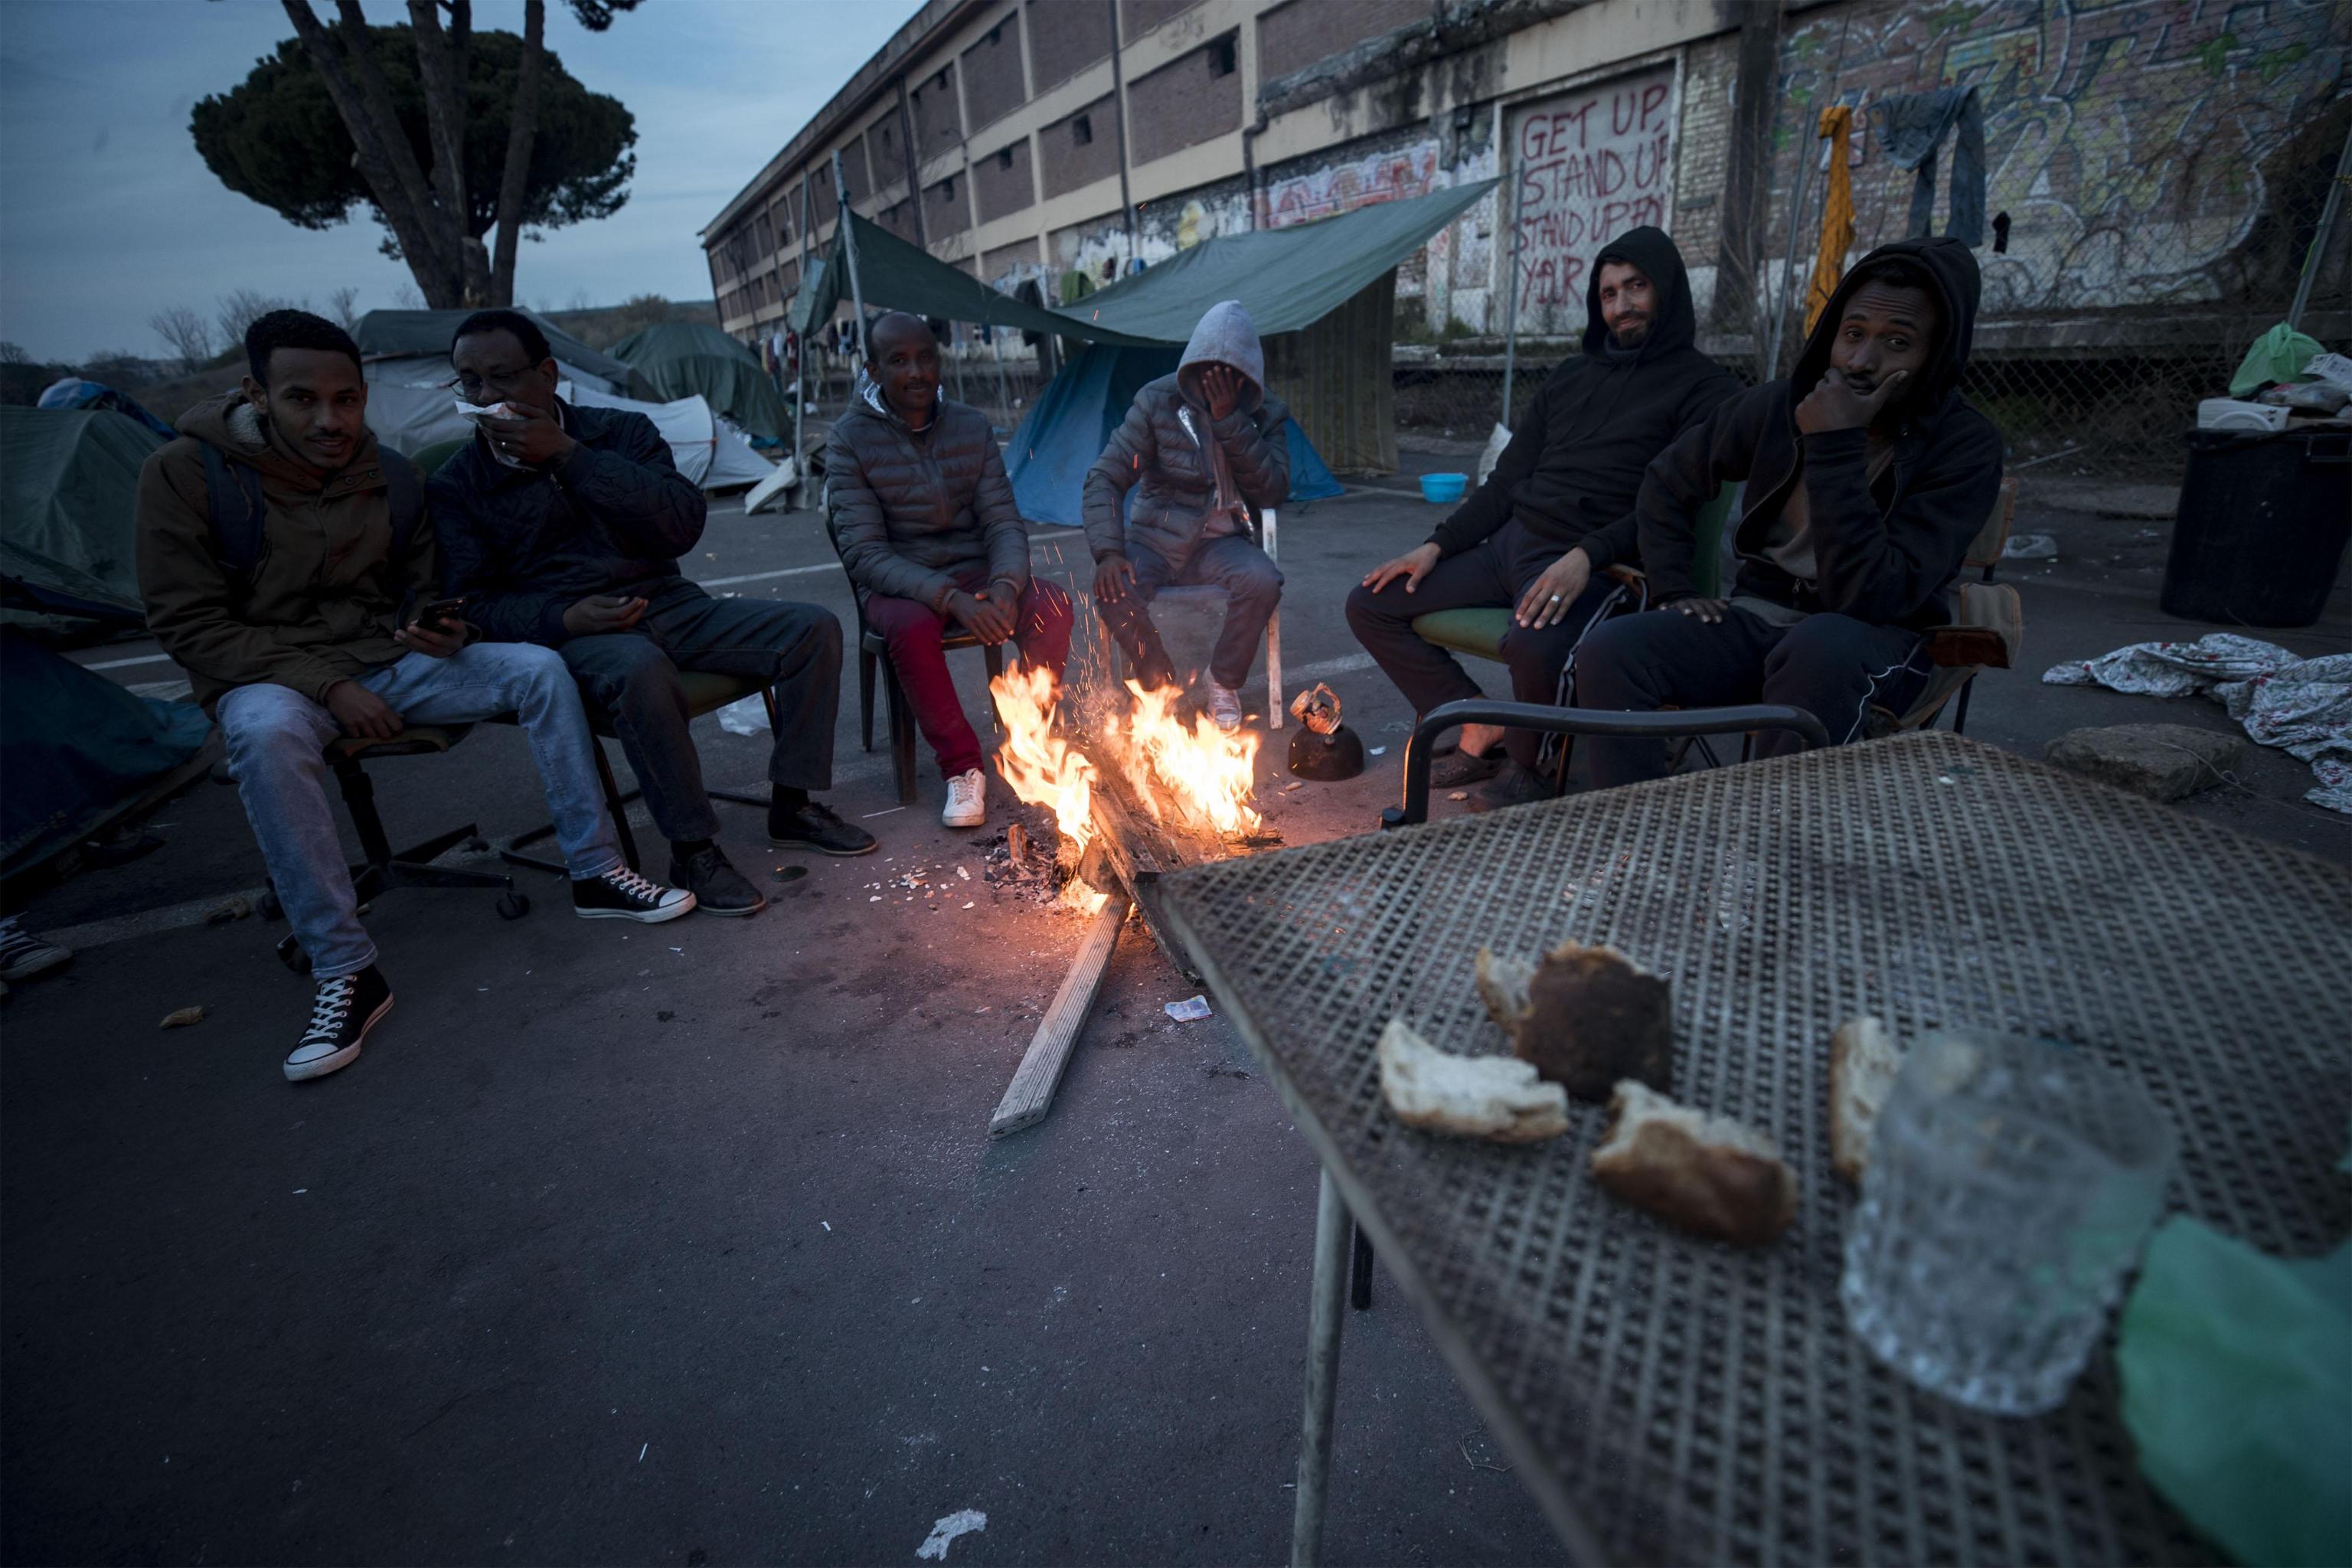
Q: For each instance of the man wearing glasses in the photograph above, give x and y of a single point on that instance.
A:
(563, 525)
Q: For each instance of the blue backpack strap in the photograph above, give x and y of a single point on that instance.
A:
(238, 514)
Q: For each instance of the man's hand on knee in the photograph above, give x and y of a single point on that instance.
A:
(1707, 610)
(1114, 579)
(362, 714)
(1412, 566)
(982, 615)
(1556, 587)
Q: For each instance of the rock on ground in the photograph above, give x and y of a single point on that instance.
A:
(2162, 761)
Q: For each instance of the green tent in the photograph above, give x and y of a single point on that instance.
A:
(426, 335)
(68, 509)
(691, 359)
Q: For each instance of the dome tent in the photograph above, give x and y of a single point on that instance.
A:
(693, 359)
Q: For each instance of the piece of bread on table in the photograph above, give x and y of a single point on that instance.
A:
(1497, 1097)
(1708, 1175)
(1864, 1060)
(1585, 1016)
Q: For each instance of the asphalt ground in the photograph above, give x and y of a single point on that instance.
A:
(686, 1244)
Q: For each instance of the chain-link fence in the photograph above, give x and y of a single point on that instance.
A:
(2093, 386)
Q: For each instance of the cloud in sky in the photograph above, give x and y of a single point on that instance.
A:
(107, 215)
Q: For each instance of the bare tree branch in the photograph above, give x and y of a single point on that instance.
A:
(188, 334)
(406, 208)
(522, 131)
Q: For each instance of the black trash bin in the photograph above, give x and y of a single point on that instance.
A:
(2264, 520)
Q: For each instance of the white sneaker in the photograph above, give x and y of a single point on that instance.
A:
(966, 800)
(1225, 708)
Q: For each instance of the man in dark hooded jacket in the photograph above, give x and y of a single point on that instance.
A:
(1203, 449)
(1867, 474)
(1558, 511)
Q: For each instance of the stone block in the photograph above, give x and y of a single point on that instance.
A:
(2162, 761)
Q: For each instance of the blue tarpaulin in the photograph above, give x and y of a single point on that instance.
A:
(1069, 426)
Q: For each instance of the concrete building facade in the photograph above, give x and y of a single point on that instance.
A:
(2156, 162)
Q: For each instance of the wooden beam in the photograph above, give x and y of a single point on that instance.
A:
(1031, 1093)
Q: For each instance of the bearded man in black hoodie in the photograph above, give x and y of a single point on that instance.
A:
(1539, 535)
(1867, 474)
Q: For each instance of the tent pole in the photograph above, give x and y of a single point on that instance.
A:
(801, 357)
(1511, 306)
(1118, 113)
(2319, 237)
(849, 259)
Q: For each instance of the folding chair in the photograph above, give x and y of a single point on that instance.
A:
(1209, 593)
(704, 693)
(383, 869)
(1987, 631)
(1480, 633)
(872, 648)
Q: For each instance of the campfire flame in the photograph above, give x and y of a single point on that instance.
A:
(1038, 765)
(1197, 777)
(1200, 775)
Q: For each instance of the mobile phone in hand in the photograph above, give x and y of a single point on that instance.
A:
(442, 614)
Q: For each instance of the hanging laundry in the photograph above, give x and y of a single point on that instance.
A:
(1915, 126)
(1836, 128)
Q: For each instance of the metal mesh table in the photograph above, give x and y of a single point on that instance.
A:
(1672, 1400)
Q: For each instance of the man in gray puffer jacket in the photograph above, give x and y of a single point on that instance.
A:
(926, 523)
(1203, 449)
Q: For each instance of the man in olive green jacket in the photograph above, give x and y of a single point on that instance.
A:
(278, 573)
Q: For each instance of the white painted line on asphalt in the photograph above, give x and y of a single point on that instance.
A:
(764, 576)
(820, 566)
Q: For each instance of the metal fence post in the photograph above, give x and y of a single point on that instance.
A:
(1511, 307)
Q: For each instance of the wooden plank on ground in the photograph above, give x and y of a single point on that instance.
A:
(1031, 1093)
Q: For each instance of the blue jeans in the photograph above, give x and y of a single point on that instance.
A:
(277, 740)
(1252, 585)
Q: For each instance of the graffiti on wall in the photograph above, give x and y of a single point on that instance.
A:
(1389, 176)
(2127, 141)
(1586, 167)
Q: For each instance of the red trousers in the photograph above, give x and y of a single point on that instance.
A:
(1041, 631)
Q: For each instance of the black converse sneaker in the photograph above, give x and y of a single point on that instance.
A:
(347, 1007)
(621, 894)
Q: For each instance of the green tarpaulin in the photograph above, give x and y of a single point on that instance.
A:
(694, 359)
(1288, 278)
(896, 275)
(68, 505)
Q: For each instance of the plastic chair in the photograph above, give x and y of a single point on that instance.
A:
(872, 648)
(1987, 630)
(1480, 633)
(1209, 593)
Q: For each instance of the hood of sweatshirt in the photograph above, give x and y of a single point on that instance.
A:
(1650, 249)
(1226, 336)
(232, 424)
(1952, 268)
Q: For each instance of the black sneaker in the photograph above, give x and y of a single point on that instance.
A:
(621, 894)
(814, 826)
(346, 1008)
(1457, 768)
(23, 955)
(1515, 785)
(717, 888)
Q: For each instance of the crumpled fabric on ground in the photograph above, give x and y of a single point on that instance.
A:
(1913, 125)
(2302, 706)
(1836, 128)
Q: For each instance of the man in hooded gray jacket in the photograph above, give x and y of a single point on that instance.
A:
(1204, 450)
